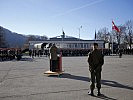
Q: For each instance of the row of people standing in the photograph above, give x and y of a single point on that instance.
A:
(78, 52)
(127, 51)
(10, 54)
(75, 52)
(65, 52)
(82, 52)
(35, 53)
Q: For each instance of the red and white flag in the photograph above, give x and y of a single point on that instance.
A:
(114, 27)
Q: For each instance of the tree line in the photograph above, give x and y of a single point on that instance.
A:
(125, 35)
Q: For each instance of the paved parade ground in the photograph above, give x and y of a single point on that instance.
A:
(24, 80)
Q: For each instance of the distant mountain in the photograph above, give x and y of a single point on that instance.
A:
(15, 40)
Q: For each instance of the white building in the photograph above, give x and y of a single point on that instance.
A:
(67, 42)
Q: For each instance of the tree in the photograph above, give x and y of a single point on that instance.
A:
(36, 38)
(103, 34)
(43, 38)
(31, 38)
(129, 32)
(123, 34)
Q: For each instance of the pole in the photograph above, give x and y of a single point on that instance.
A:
(130, 41)
(119, 40)
(112, 43)
(62, 38)
(79, 34)
(79, 39)
(79, 31)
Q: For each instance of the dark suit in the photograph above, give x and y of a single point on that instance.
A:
(53, 58)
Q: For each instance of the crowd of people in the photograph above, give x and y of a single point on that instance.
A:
(82, 52)
(127, 51)
(7, 54)
(15, 53)
(36, 53)
(74, 52)
(77, 52)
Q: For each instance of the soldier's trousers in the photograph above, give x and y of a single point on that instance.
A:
(95, 75)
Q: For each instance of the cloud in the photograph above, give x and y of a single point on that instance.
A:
(78, 8)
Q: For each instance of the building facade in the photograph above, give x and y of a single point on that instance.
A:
(67, 43)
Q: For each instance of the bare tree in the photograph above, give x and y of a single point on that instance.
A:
(122, 34)
(129, 32)
(113, 36)
(43, 38)
(103, 34)
(31, 38)
(36, 38)
(125, 36)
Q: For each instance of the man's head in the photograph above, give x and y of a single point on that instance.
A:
(95, 46)
(54, 45)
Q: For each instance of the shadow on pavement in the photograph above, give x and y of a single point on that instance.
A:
(25, 59)
(104, 97)
(104, 82)
(116, 84)
(69, 76)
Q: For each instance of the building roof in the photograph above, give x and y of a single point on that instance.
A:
(67, 39)
(64, 38)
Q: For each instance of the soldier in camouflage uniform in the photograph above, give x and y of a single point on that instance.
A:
(95, 60)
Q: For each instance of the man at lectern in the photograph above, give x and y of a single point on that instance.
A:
(53, 58)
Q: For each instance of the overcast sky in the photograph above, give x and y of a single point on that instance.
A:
(48, 17)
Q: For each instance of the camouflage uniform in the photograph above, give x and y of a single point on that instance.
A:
(95, 60)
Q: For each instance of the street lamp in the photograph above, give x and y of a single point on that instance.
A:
(79, 32)
(79, 35)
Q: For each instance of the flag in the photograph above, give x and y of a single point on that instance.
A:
(114, 27)
(95, 35)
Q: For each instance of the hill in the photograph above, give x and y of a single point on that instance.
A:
(11, 39)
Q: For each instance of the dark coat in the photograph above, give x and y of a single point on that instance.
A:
(53, 53)
(95, 60)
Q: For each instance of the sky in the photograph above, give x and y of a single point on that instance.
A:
(50, 17)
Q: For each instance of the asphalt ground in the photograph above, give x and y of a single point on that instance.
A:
(24, 80)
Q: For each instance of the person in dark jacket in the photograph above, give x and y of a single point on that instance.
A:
(120, 53)
(95, 60)
(53, 58)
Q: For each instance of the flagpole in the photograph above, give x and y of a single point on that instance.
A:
(112, 43)
(95, 36)
(114, 27)
(112, 38)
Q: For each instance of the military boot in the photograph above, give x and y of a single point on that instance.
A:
(91, 93)
(99, 93)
